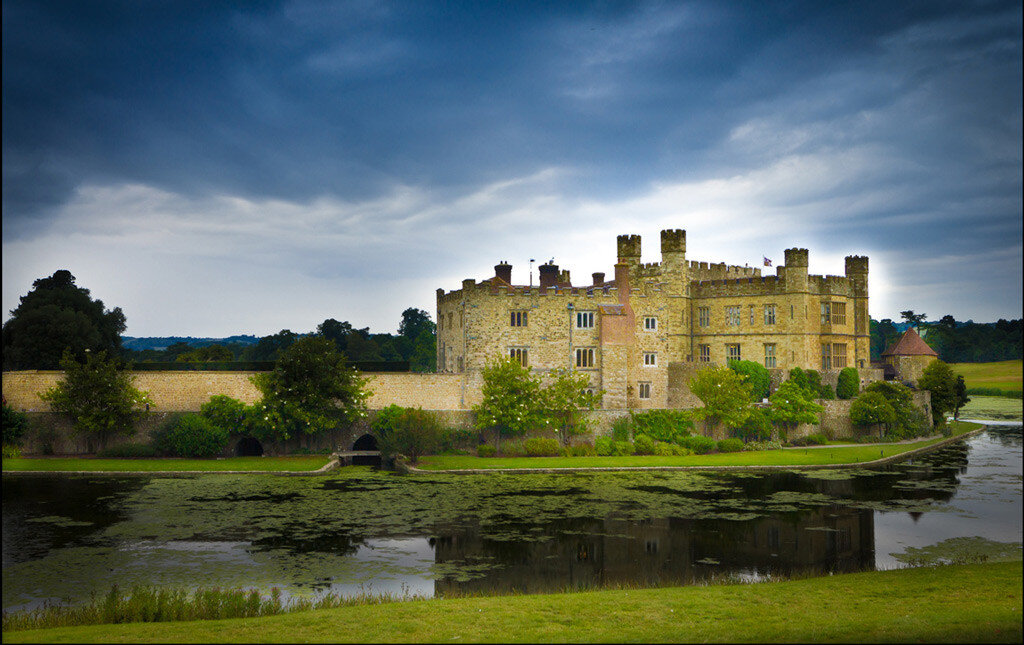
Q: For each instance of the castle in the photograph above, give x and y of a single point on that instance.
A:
(641, 335)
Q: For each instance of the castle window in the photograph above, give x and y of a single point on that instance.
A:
(645, 390)
(705, 353)
(584, 320)
(826, 356)
(838, 313)
(769, 355)
(650, 323)
(732, 316)
(519, 318)
(585, 357)
(520, 354)
(769, 314)
(650, 359)
(839, 355)
(826, 313)
(751, 315)
(458, 362)
(791, 312)
(703, 316)
(450, 316)
(732, 352)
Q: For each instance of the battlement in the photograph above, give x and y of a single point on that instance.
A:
(837, 285)
(856, 264)
(720, 271)
(753, 286)
(673, 240)
(796, 258)
(629, 246)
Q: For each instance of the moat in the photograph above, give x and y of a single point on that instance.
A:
(68, 537)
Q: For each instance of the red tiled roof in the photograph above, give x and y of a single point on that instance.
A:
(910, 344)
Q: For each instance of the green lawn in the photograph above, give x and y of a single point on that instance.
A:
(959, 603)
(277, 464)
(1004, 375)
(789, 457)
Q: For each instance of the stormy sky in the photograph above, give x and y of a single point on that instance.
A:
(244, 167)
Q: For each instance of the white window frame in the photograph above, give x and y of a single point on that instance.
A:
(584, 320)
(650, 359)
(733, 315)
(650, 323)
(521, 354)
(770, 358)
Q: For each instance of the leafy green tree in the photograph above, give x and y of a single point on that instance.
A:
(564, 401)
(910, 421)
(412, 432)
(848, 383)
(415, 322)
(915, 320)
(15, 423)
(872, 408)
(311, 390)
(98, 397)
(757, 427)
(511, 400)
(207, 354)
(192, 435)
(938, 378)
(423, 356)
(225, 412)
(960, 390)
(725, 396)
(269, 348)
(56, 316)
(792, 405)
(883, 334)
(756, 376)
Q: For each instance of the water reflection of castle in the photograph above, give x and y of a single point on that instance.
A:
(586, 553)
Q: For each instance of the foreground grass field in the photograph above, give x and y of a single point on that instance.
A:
(273, 464)
(789, 457)
(1004, 375)
(972, 603)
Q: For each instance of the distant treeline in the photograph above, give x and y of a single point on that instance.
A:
(415, 343)
(955, 341)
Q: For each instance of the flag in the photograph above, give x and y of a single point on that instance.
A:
(767, 262)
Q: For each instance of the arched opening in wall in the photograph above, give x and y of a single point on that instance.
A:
(366, 442)
(248, 447)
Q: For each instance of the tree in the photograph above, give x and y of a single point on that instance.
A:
(755, 375)
(98, 397)
(938, 379)
(210, 353)
(792, 405)
(270, 347)
(848, 383)
(407, 431)
(311, 390)
(872, 408)
(960, 390)
(14, 425)
(511, 399)
(915, 320)
(565, 399)
(909, 419)
(415, 322)
(57, 316)
(725, 396)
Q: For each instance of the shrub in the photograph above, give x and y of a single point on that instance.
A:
(191, 436)
(700, 444)
(11, 452)
(623, 448)
(15, 423)
(662, 449)
(225, 412)
(542, 447)
(757, 427)
(129, 451)
(485, 450)
(756, 376)
(663, 425)
(580, 450)
(455, 440)
(817, 439)
(848, 383)
(604, 446)
(680, 451)
(827, 393)
(643, 445)
(730, 445)
(412, 432)
(620, 429)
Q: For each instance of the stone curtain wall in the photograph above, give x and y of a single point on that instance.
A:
(186, 391)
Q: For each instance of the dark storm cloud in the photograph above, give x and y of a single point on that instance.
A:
(890, 127)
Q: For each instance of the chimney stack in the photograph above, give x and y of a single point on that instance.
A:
(598, 279)
(548, 275)
(503, 270)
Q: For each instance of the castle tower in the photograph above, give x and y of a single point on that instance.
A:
(673, 259)
(795, 270)
(629, 250)
(857, 274)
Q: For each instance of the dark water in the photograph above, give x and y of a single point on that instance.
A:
(65, 538)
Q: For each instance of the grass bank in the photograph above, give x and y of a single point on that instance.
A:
(955, 603)
(65, 464)
(1003, 375)
(848, 454)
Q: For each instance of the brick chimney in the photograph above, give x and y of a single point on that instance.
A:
(598, 279)
(503, 270)
(548, 275)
